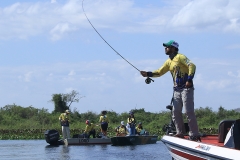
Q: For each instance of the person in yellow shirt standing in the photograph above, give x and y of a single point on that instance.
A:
(64, 119)
(89, 130)
(182, 71)
(104, 123)
(132, 123)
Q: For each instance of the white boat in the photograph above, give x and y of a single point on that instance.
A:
(87, 141)
(208, 148)
(222, 146)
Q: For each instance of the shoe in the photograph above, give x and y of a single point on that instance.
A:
(194, 138)
(179, 135)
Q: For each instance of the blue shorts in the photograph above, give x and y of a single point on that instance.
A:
(104, 126)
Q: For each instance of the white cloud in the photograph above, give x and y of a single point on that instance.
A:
(72, 73)
(53, 1)
(23, 20)
(28, 76)
(60, 29)
(205, 15)
(233, 46)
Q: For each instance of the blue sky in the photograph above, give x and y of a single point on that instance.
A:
(49, 47)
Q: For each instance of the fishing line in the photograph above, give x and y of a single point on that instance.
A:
(106, 41)
(148, 80)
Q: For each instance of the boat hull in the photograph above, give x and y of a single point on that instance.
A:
(87, 141)
(182, 149)
(133, 140)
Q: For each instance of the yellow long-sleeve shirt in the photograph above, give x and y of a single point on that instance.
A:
(181, 68)
(65, 119)
(89, 127)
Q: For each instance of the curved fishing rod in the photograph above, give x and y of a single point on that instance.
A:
(148, 80)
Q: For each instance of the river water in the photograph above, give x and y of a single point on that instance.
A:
(40, 150)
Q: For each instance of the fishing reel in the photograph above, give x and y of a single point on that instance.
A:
(148, 80)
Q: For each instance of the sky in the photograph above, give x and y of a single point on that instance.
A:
(49, 47)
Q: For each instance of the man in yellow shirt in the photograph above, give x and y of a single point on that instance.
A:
(64, 119)
(132, 123)
(90, 129)
(182, 71)
(104, 123)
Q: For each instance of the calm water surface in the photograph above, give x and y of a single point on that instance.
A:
(40, 150)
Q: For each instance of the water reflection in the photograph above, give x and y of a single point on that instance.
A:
(35, 150)
(126, 147)
(51, 146)
(59, 151)
(103, 147)
(132, 147)
(65, 149)
(65, 152)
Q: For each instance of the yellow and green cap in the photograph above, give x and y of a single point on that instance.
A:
(171, 43)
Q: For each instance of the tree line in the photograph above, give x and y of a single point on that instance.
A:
(15, 118)
(17, 122)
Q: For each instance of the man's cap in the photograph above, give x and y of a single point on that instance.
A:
(140, 123)
(104, 112)
(122, 122)
(67, 111)
(87, 121)
(171, 43)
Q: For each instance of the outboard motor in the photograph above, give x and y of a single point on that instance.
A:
(52, 137)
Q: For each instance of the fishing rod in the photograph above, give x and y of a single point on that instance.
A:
(148, 80)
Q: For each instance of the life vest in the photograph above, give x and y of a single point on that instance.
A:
(139, 129)
(132, 122)
(64, 119)
(103, 119)
(122, 130)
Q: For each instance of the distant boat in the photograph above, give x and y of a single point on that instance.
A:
(52, 137)
(134, 140)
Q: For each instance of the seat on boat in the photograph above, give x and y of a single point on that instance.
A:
(223, 128)
(233, 136)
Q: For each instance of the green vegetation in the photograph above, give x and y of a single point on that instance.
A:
(18, 122)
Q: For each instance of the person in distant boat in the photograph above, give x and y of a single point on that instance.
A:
(182, 71)
(139, 129)
(128, 129)
(132, 123)
(121, 130)
(89, 130)
(64, 119)
(104, 123)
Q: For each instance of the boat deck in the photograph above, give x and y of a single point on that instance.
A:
(210, 139)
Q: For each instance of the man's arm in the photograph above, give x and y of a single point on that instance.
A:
(157, 73)
(191, 69)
